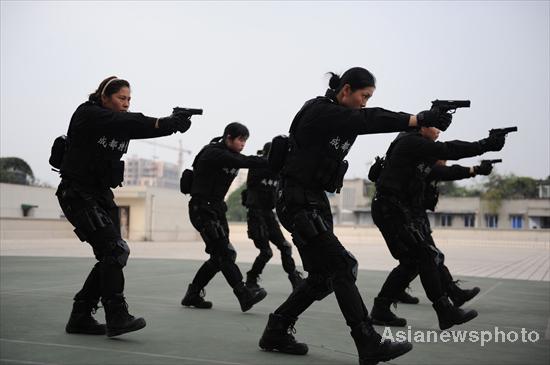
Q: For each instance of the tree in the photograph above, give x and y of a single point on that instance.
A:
(236, 212)
(450, 188)
(501, 187)
(14, 170)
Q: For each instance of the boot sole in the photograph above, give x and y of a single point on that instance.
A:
(196, 306)
(467, 319)
(85, 332)
(119, 331)
(461, 303)
(409, 302)
(377, 359)
(389, 324)
(256, 300)
(283, 350)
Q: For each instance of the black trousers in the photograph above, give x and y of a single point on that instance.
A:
(409, 240)
(95, 217)
(209, 219)
(331, 268)
(263, 227)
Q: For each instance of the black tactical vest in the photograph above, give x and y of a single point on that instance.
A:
(261, 185)
(316, 161)
(211, 182)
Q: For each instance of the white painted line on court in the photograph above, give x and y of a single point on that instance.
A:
(120, 351)
(80, 283)
(12, 361)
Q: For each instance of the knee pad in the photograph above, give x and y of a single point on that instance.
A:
(317, 286)
(285, 248)
(347, 267)
(121, 252)
(116, 252)
(266, 253)
(438, 256)
(225, 255)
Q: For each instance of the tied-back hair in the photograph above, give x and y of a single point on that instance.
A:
(356, 77)
(235, 130)
(111, 85)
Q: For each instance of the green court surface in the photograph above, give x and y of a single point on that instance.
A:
(36, 298)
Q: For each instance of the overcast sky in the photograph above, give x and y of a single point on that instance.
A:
(258, 62)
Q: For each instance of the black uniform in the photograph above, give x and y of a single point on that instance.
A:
(431, 197)
(259, 199)
(321, 135)
(398, 209)
(97, 138)
(215, 168)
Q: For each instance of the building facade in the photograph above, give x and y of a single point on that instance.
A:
(146, 213)
(146, 172)
(352, 207)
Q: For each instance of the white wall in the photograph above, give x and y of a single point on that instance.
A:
(12, 196)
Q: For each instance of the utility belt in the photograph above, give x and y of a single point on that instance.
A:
(218, 206)
(413, 229)
(327, 175)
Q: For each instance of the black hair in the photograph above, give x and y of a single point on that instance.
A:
(111, 85)
(235, 130)
(356, 77)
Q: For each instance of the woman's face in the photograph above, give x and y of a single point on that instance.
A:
(431, 133)
(236, 144)
(119, 101)
(355, 99)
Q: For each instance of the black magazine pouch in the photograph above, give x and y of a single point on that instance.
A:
(58, 150)
(186, 181)
(117, 173)
(376, 168)
(277, 154)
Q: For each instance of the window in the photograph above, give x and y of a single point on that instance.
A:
(446, 220)
(516, 221)
(469, 220)
(491, 220)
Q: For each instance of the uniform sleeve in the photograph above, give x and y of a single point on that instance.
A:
(225, 158)
(94, 118)
(336, 118)
(448, 173)
(452, 150)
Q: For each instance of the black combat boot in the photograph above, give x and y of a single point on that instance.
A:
(252, 280)
(449, 315)
(382, 315)
(81, 320)
(460, 296)
(119, 321)
(248, 297)
(278, 335)
(195, 298)
(406, 298)
(371, 349)
(295, 279)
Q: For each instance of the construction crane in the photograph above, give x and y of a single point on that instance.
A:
(180, 150)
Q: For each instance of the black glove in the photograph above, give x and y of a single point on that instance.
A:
(492, 143)
(430, 118)
(177, 122)
(484, 168)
